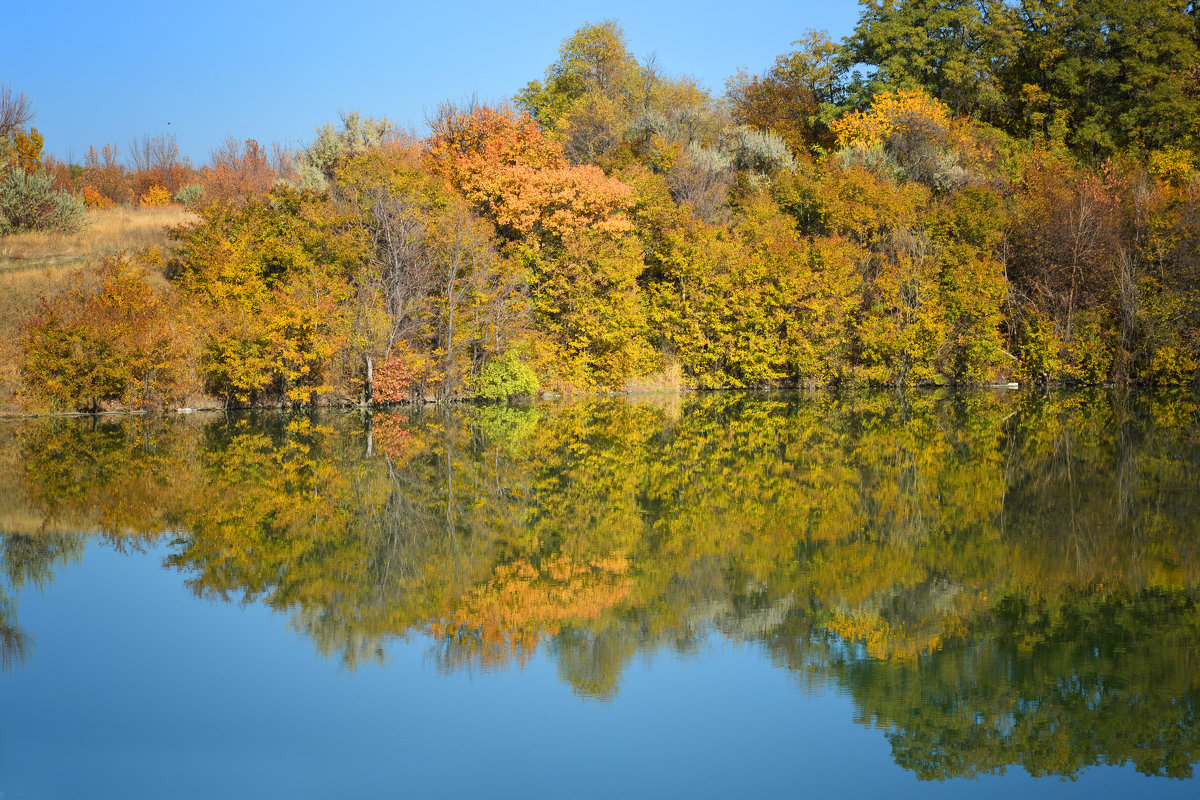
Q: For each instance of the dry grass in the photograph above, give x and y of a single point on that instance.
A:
(37, 265)
(669, 379)
(108, 231)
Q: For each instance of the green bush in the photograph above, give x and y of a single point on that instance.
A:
(505, 377)
(29, 202)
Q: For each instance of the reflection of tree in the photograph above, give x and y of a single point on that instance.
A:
(123, 476)
(27, 560)
(950, 560)
(13, 641)
(524, 604)
(1102, 679)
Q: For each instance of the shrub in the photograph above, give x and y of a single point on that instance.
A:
(29, 202)
(759, 152)
(393, 380)
(316, 164)
(190, 194)
(1088, 356)
(93, 199)
(241, 172)
(1172, 165)
(1037, 346)
(155, 197)
(120, 342)
(701, 178)
(505, 377)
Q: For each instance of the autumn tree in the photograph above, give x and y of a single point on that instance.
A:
(123, 342)
(156, 161)
(743, 306)
(917, 133)
(585, 94)
(240, 172)
(270, 283)
(790, 97)
(446, 301)
(105, 176)
(596, 92)
(1063, 267)
(566, 224)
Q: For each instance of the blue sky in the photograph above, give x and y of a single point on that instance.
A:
(109, 72)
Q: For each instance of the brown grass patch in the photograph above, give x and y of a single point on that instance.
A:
(109, 231)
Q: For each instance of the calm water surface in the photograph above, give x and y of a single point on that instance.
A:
(720, 595)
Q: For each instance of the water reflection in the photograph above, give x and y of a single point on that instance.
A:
(997, 579)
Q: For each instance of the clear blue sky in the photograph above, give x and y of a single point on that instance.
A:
(102, 72)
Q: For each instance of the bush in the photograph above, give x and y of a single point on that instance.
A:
(155, 197)
(759, 152)
(93, 199)
(316, 164)
(394, 378)
(190, 194)
(1088, 356)
(29, 202)
(120, 343)
(505, 377)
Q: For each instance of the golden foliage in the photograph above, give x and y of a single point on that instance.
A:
(154, 197)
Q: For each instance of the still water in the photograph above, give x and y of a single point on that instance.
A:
(916, 594)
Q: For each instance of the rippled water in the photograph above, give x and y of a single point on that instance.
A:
(697, 595)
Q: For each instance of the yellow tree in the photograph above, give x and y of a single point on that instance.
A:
(269, 283)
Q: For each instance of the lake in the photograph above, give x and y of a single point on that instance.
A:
(910, 594)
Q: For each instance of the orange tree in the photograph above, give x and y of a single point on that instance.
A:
(568, 225)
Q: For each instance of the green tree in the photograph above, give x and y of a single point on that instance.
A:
(1122, 74)
(959, 51)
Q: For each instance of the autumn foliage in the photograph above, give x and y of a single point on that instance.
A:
(619, 227)
(240, 172)
(523, 605)
(393, 380)
(122, 342)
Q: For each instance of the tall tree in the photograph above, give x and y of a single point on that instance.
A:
(789, 98)
(1124, 73)
(958, 50)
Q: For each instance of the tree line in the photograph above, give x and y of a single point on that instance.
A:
(958, 193)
